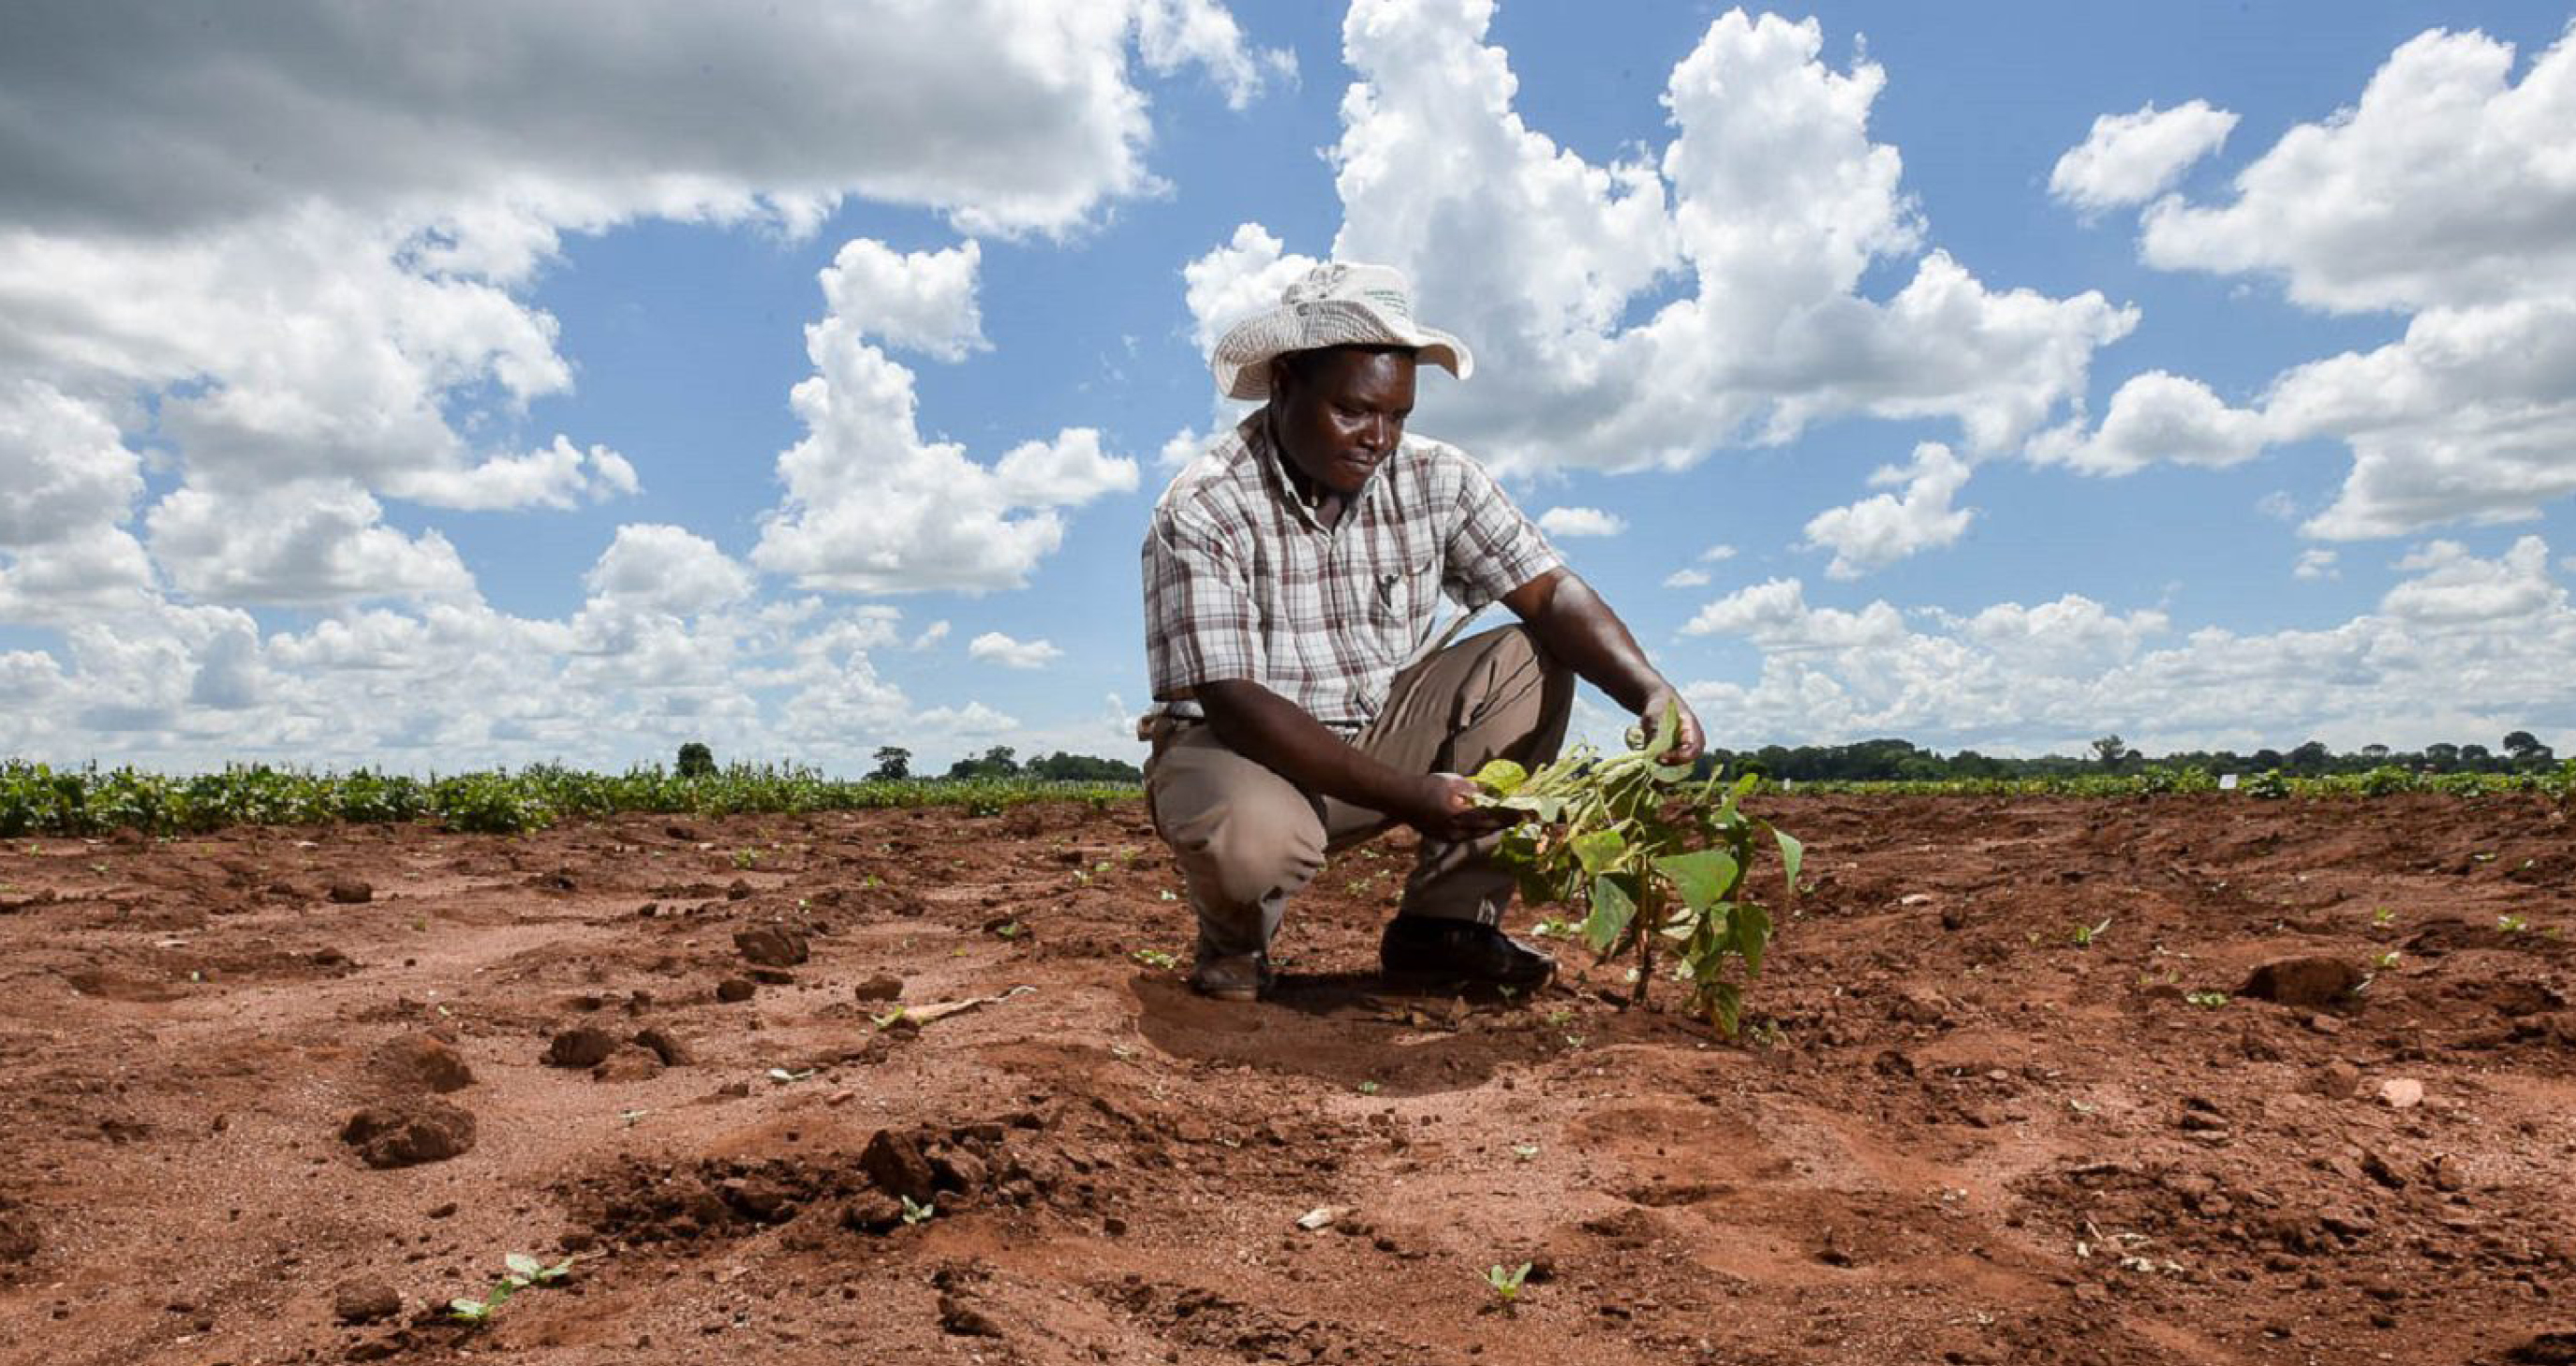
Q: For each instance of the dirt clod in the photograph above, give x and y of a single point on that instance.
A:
(365, 1301)
(580, 1046)
(735, 990)
(665, 1045)
(416, 1064)
(410, 1133)
(633, 1062)
(895, 1162)
(771, 946)
(2309, 983)
(884, 986)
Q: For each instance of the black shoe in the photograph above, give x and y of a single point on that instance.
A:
(1422, 949)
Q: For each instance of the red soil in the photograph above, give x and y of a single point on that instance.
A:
(1956, 1135)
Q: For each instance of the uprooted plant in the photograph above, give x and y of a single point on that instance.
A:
(520, 1271)
(1650, 854)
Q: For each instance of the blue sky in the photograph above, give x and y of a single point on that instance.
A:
(431, 392)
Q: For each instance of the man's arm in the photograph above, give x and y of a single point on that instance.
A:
(1573, 624)
(1269, 729)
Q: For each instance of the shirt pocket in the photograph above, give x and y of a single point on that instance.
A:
(1402, 603)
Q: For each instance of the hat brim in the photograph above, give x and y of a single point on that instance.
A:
(1242, 356)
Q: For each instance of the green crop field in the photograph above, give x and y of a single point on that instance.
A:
(39, 800)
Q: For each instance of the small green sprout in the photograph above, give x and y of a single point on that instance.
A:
(2083, 936)
(746, 858)
(784, 1077)
(1156, 959)
(890, 1019)
(1009, 929)
(1506, 1284)
(520, 1272)
(1168, 894)
(2206, 1000)
(1526, 1152)
(2383, 917)
(2386, 961)
(918, 1212)
(2512, 924)
(1370, 1088)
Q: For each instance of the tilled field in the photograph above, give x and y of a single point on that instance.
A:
(279, 1096)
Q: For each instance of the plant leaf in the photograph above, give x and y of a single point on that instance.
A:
(521, 1264)
(1501, 777)
(1752, 935)
(1703, 877)
(1598, 849)
(1612, 908)
(1791, 853)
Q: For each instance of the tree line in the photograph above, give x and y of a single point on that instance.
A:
(1903, 760)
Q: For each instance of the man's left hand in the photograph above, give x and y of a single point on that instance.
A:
(1688, 742)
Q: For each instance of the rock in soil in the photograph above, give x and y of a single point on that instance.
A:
(885, 986)
(349, 891)
(580, 1046)
(665, 1045)
(771, 946)
(365, 1301)
(734, 990)
(894, 1161)
(634, 1062)
(872, 1211)
(409, 1134)
(17, 1233)
(417, 1064)
(2308, 983)
(2554, 1348)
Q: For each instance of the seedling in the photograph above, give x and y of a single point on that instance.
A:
(1156, 959)
(1009, 929)
(2512, 924)
(1553, 928)
(917, 1212)
(2385, 962)
(1651, 855)
(2383, 918)
(784, 1077)
(1506, 1284)
(746, 858)
(2084, 935)
(890, 1019)
(1526, 1152)
(1369, 1088)
(2206, 1000)
(519, 1272)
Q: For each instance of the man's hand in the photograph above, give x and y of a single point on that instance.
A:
(1445, 810)
(1688, 742)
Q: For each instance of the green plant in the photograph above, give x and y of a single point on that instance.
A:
(519, 1272)
(746, 858)
(918, 1212)
(2206, 1000)
(2386, 961)
(1370, 1088)
(1506, 1283)
(1156, 959)
(2082, 936)
(1651, 855)
(2512, 924)
(2382, 918)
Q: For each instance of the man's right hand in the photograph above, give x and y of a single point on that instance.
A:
(1444, 809)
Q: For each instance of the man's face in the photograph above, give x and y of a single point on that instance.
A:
(1341, 412)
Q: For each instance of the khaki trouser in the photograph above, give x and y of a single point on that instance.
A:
(1247, 839)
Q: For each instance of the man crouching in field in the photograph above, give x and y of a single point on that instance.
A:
(1292, 577)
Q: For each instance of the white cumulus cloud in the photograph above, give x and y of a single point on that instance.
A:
(1574, 521)
(1880, 530)
(996, 648)
(1763, 211)
(2132, 158)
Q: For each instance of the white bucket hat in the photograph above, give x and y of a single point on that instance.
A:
(1336, 304)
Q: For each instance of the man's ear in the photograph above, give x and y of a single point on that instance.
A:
(1283, 376)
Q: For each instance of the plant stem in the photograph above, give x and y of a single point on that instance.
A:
(1650, 914)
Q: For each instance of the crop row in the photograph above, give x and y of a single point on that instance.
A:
(38, 800)
(2559, 783)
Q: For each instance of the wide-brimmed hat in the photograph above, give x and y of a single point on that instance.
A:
(1339, 303)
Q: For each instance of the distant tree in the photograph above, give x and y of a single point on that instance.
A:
(1001, 761)
(696, 760)
(2311, 757)
(2110, 750)
(2476, 758)
(894, 764)
(2265, 760)
(2443, 757)
(2522, 744)
(1082, 768)
(2376, 754)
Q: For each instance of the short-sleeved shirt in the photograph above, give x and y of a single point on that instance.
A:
(1242, 581)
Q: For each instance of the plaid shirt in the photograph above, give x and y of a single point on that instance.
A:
(1241, 581)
